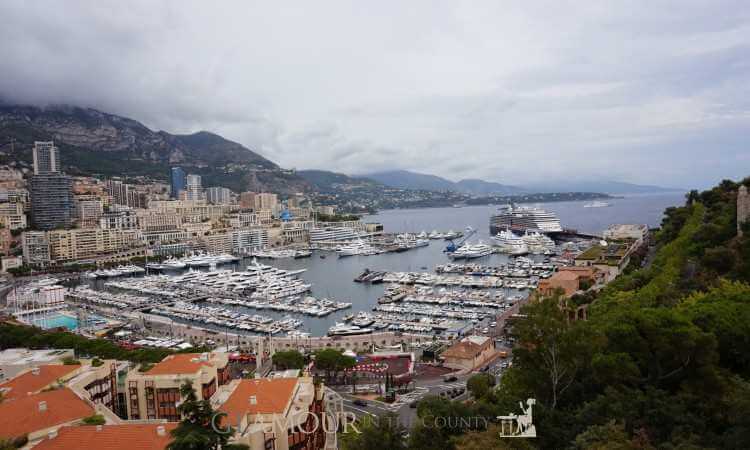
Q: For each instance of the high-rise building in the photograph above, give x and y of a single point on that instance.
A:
(193, 188)
(46, 158)
(178, 182)
(266, 201)
(52, 204)
(219, 195)
(247, 200)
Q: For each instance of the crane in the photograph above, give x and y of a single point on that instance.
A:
(453, 246)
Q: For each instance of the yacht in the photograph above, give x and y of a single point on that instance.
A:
(435, 235)
(359, 247)
(471, 251)
(423, 235)
(597, 204)
(510, 243)
(522, 218)
(342, 329)
(538, 243)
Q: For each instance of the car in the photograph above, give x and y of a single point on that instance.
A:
(414, 404)
(450, 378)
(360, 402)
(493, 324)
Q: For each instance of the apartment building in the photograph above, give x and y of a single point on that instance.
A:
(265, 201)
(12, 215)
(119, 218)
(276, 413)
(89, 209)
(62, 246)
(245, 241)
(155, 392)
(217, 243)
(218, 195)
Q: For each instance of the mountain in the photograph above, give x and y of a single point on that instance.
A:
(325, 181)
(405, 179)
(481, 187)
(605, 186)
(93, 142)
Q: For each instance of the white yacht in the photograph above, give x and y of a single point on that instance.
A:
(342, 329)
(597, 204)
(538, 243)
(423, 235)
(510, 243)
(471, 251)
(359, 247)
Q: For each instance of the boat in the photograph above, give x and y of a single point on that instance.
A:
(597, 204)
(522, 218)
(539, 243)
(510, 243)
(342, 329)
(302, 254)
(471, 251)
(359, 247)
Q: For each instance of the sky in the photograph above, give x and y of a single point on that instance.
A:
(516, 92)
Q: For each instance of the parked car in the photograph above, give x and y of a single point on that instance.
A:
(450, 378)
(414, 404)
(360, 402)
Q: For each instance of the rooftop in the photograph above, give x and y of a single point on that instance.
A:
(35, 380)
(469, 347)
(259, 396)
(37, 412)
(25, 356)
(111, 437)
(181, 363)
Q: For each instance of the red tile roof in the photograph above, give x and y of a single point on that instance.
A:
(110, 437)
(22, 415)
(271, 396)
(29, 382)
(178, 364)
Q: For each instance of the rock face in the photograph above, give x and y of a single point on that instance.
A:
(95, 130)
(97, 143)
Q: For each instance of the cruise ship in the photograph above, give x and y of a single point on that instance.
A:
(510, 243)
(522, 218)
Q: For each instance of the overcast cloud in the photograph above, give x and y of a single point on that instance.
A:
(656, 92)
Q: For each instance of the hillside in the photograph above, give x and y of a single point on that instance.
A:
(325, 181)
(405, 179)
(98, 143)
(606, 186)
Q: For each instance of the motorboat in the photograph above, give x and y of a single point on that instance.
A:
(510, 243)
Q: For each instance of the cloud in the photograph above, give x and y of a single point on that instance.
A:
(511, 92)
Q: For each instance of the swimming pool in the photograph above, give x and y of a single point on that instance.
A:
(67, 321)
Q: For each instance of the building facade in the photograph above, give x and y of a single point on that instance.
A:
(46, 158)
(177, 182)
(52, 203)
(218, 195)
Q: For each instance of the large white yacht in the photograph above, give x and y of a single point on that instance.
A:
(359, 247)
(471, 251)
(510, 243)
(342, 329)
(539, 243)
(522, 218)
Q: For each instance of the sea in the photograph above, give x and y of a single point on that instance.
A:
(333, 277)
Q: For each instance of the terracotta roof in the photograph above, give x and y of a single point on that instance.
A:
(179, 364)
(110, 437)
(271, 396)
(22, 415)
(463, 350)
(29, 382)
(565, 275)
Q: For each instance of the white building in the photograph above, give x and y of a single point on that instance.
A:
(218, 195)
(193, 188)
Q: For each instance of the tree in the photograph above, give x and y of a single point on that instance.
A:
(479, 385)
(552, 349)
(289, 359)
(195, 431)
(380, 433)
(332, 361)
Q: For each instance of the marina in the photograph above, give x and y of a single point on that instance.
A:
(415, 291)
